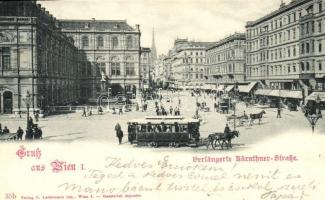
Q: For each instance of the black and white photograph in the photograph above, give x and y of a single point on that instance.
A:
(162, 99)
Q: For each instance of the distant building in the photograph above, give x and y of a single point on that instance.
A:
(112, 48)
(35, 57)
(145, 67)
(226, 60)
(286, 48)
(188, 63)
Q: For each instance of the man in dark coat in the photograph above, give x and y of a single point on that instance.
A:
(119, 135)
(29, 134)
(30, 122)
(117, 128)
(5, 130)
(227, 130)
(20, 133)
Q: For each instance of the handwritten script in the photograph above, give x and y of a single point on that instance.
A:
(139, 176)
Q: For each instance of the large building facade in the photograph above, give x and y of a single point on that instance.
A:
(188, 63)
(226, 60)
(36, 58)
(106, 47)
(286, 48)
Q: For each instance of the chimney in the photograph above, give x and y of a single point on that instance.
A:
(137, 27)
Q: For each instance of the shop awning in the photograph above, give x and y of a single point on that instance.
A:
(229, 88)
(220, 88)
(264, 92)
(314, 95)
(291, 94)
(246, 88)
(274, 93)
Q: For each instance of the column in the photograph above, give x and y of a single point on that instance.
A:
(1, 102)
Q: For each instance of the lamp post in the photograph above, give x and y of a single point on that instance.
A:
(27, 101)
(234, 104)
(313, 115)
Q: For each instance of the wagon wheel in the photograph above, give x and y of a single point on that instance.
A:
(209, 143)
(215, 143)
(224, 144)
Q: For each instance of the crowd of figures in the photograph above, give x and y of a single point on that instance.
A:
(33, 132)
(161, 110)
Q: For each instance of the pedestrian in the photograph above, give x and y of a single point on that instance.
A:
(37, 132)
(100, 110)
(215, 106)
(29, 133)
(5, 130)
(30, 122)
(117, 128)
(279, 112)
(171, 110)
(20, 133)
(84, 114)
(120, 111)
(119, 135)
(36, 116)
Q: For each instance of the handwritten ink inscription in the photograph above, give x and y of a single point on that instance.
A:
(132, 176)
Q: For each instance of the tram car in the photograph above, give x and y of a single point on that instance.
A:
(157, 131)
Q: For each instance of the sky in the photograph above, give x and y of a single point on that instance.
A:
(199, 20)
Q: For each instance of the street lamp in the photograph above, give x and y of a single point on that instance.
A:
(314, 114)
(234, 104)
(27, 101)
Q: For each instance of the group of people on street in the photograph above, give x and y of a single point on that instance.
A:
(32, 131)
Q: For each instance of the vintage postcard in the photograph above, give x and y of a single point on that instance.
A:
(162, 99)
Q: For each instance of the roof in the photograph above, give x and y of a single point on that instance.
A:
(166, 120)
(235, 36)
(313, 96)
(112, 25)
(281, 10)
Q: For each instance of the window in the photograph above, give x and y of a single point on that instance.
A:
(319, 26)
(294, 51)
(320, 66)
(320, 7)
(129, 69)
(115, 42)
(115, 67)
(196, 76)
(307, 47)
(85, 41)
(320, 47)
(302, 66)
(129, 42)
(294, 68)
(302, 48)
(5, 58)
(100, 41)
(307, 66)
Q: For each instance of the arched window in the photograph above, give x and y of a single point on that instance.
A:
(100, 41)
(307, 66)
(85, 41)
(115, 42)
(129, 42)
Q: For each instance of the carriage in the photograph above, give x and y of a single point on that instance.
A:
(224, 105)
(157, 131)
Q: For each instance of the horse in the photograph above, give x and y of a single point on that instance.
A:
(256, 116)
(223, 139)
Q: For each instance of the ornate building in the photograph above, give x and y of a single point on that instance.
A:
(285, 49)
(35, 57)
(109, 47)
(188, 63)
(226, 60)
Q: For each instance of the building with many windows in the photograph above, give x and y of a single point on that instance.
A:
(145, 68)
(35, 58)
(285, 49)
(226, 60)
(188, 63)
(108, 48)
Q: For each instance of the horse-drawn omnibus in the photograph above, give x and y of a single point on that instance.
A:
(164, 131)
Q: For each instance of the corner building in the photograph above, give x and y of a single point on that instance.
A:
(226, 60)
(286, 49)
(35, 56)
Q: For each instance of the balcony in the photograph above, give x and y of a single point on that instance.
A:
(306, 17)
